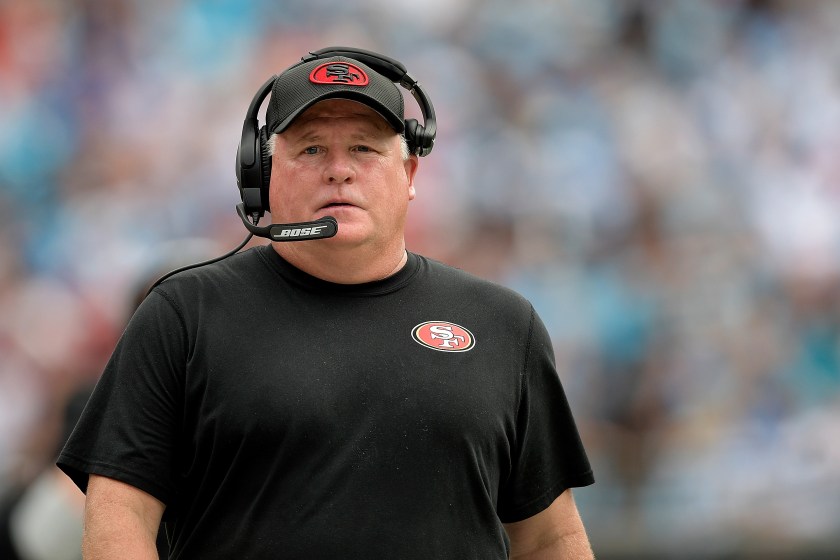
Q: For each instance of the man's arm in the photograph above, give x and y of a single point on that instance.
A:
(556, 533)
(121, 521)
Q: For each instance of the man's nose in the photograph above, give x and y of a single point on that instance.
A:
(339, 169)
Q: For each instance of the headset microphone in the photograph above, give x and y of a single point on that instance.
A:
(301, 231)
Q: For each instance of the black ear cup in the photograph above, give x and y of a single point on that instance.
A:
(419, 140)
(249, 171)
(412, 129)
(250, 176)
(265, 167)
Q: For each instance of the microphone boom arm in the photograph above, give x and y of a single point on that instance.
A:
(301, 231)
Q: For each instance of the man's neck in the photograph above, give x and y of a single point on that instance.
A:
(342, 266)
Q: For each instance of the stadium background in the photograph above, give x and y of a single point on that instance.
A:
(661, 179)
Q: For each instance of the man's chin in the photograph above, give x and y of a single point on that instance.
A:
(348, 235)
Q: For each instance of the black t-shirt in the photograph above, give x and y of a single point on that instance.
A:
(281, 416)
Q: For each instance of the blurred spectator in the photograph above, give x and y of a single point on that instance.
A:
(42, 514)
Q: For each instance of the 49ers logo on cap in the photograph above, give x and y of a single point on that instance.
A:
(339, 73)
(443, 336)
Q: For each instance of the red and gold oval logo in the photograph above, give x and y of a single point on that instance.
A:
(443, 336)
(339, 73)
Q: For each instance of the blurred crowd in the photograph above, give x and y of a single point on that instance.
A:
(660, 178)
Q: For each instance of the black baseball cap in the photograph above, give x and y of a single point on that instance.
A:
(337, 77)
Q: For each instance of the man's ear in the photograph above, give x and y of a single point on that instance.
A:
(411, 165)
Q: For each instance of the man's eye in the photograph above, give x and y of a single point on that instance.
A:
(311, 150)
(363, 149)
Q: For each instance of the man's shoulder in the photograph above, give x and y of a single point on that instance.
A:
(224, 274)
(440, 269)
(453, 278)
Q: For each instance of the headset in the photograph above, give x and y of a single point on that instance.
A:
(253, 164)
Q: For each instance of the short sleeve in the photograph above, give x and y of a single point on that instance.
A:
(548, 456)
(129, 427)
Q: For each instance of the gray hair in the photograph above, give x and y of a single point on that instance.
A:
(272, 145)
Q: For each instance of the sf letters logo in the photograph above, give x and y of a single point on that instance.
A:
(446, 336)
(343, 73)
(443, 336)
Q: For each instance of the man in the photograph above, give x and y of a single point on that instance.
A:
(332, 398)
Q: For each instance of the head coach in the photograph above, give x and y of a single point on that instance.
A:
(331, 394)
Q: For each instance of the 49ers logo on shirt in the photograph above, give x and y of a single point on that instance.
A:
(443, 336)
